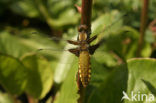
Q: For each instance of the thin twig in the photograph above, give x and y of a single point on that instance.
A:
(143, 26)
(31, 99)
(86, 10)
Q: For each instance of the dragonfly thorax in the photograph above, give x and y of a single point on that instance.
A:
(82, 37)
(83, 46)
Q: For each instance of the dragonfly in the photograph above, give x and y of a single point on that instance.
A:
(83, 51)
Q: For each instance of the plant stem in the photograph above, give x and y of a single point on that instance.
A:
(144, 18)
(31, 99)
(82, 94)
(86, 12)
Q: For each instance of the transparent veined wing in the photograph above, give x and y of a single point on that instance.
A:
(53, 47)
(56, 49)
(56, 46)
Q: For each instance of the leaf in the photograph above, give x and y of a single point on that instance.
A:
(62, 69)
(17, 46)
(104, 57)
(66, 74)
(63, 12)
(69, 89)
(146, 50)
(110, 89)
(56, 13)
(13, 74)
(137, 76)
(149, 36)
(5, 98)
(135, 5)
(99, 72)
(142, 72)
(57, 7)
(67, 17)
(40, 77)
(107, 23)
(11, 45)
(125, 41)
(26, 8)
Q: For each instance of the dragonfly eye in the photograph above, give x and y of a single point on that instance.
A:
(82, 28)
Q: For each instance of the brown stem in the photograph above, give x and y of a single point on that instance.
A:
(31, 99)
(143, 26)
(86, 13)
(86, 10)
(82, 95)
(14, 98)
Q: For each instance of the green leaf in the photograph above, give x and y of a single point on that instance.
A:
(63, 12)
(64, 64)
(146, 50)
(13, 74)
(56, 7)
(99, 72)
(142, 74)
(137, 76)
(66, 73)
(5, 98)
(11, 45)
(55, 13)
(107, 23)
(124, 42)
(40, 77)
(26, 8)
(69, 89)
(149, 36)
(110, 89)
(104, 57)
(67, 17)
(17, 46)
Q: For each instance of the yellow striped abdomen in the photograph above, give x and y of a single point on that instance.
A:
(84, 67)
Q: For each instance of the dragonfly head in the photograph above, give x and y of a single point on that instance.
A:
(83, 32)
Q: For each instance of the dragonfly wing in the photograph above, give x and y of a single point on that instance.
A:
(37, 35)
(93, 48)
(51, 47)
(56, 54)
(74, 51)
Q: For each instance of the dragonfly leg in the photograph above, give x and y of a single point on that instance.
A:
(74, 51)
(73, 42)
(91, 39)
(93, 48)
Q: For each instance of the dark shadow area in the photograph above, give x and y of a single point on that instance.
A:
(2, 89)
(150, 87)
(153, 55)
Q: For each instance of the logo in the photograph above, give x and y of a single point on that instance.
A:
(137, 97)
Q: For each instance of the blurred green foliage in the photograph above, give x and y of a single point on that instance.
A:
(49, 75)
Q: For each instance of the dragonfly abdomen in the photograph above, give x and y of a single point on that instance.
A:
(84, 67)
